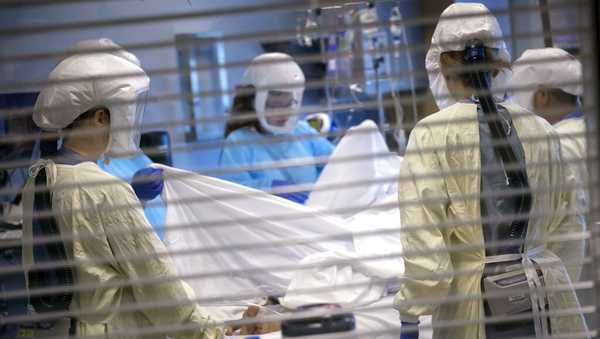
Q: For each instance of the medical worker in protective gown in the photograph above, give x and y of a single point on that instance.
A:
(549, 82)
(258, 147)
(96, 100)
(551, 85)
(458, 210)
(125, 167)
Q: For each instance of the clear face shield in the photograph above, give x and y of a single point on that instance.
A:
(140, 108)
(281, 114)
(126, 123)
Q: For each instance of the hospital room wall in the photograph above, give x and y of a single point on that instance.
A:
(524, 23)
(157, 113)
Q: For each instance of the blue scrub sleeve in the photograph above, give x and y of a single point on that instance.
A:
(235, 157)
(320, 146)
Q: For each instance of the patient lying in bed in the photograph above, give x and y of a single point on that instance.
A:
(234, 245)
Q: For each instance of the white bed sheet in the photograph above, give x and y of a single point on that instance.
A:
(256, 217)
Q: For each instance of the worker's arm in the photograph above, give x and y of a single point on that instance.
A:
(135, 247)
(320, 146)
(237, 154)
(423, 202)
(568, 220)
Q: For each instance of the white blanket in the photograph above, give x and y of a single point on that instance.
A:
(339, 269)
(205, 214)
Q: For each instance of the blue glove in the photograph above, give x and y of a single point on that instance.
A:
(148, 183)
(409, 330)
(298, 197)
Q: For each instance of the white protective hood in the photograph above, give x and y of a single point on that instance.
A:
(279, 72)
(453, 30)
(82, 81)
(104, 45)
(548, 67)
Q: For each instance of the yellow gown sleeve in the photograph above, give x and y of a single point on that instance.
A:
(569, 221)
(423, 201)
(141, 242)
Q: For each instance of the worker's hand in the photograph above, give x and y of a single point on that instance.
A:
(259, 327)
(409, 330)
(148, 183)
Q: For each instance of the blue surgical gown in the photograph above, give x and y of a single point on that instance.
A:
(124, 168)
(252, 148)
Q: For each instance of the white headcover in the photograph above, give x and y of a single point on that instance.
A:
(113, 79)
(548, 67)
(275, 72)
(451, 34)
(103, 45)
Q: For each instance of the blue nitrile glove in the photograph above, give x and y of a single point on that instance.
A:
(409, 330)
(148, 183)
(298, 197)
